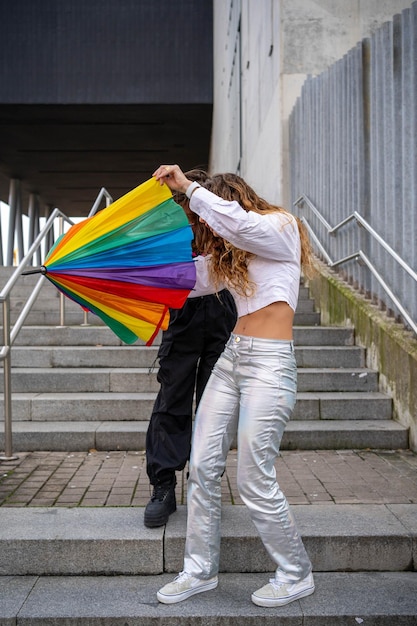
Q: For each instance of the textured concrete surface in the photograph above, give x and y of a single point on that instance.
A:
(113, 540)
(299, 434)
(372, 599)
(337, 537)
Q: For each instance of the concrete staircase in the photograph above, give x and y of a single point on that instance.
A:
(85, 567)
(76, 388)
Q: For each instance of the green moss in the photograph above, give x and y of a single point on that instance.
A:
(391, 348)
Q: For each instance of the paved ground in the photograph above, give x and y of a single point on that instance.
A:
(69, 479)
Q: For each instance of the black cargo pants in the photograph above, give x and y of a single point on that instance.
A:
(189, 349)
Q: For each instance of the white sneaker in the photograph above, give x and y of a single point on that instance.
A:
(277, 593)
(184, 586)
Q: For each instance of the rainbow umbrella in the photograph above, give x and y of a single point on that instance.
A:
(129, 263)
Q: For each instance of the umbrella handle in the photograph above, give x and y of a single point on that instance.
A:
(37, 270)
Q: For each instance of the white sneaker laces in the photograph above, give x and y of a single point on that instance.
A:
(277, 583)
(182, 576)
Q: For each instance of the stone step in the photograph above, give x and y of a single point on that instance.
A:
(74, 383)
(47, 318)
(340, 599)
(52, 317)
(77, 335)
(96, 356)
(76, 316)
(91, 335)
(345, 434)
(138, 406)
(141, 356)
(51, 302)
(114, 541)
(131, 435)
(125, 379)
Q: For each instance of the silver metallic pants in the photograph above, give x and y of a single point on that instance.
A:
(251, 392)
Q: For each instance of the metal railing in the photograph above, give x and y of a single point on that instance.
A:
(353, 146)
(358, 254)
(9, 333)
(103, 193)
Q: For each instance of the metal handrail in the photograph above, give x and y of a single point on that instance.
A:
(103, 193)
(9, 335)
(359, 255)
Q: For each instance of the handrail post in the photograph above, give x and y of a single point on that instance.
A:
(8, 446)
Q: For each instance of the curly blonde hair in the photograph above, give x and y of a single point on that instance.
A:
(230, 264)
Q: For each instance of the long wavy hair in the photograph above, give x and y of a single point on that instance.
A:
(204, 239)
(230, 264)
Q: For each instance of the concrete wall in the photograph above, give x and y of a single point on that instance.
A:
(246, 134)
(263, 52)
(390, 349)
(315, 34)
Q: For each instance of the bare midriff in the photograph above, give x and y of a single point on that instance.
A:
(274, 321)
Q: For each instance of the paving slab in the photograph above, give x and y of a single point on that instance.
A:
(55, 478)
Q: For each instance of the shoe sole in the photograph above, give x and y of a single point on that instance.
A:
(271, 602)
(179, 597)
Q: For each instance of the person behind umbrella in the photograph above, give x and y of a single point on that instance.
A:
(190, 346)
(252, 389)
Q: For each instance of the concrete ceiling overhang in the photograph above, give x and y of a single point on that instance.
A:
(99, 93)
(67, 153)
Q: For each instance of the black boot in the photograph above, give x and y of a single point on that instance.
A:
(161, 505)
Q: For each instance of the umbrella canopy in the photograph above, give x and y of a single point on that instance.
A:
(129, 263)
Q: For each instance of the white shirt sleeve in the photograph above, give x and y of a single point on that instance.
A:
(203, 285)
(270, 235)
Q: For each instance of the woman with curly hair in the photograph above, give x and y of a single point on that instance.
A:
(251, 392)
